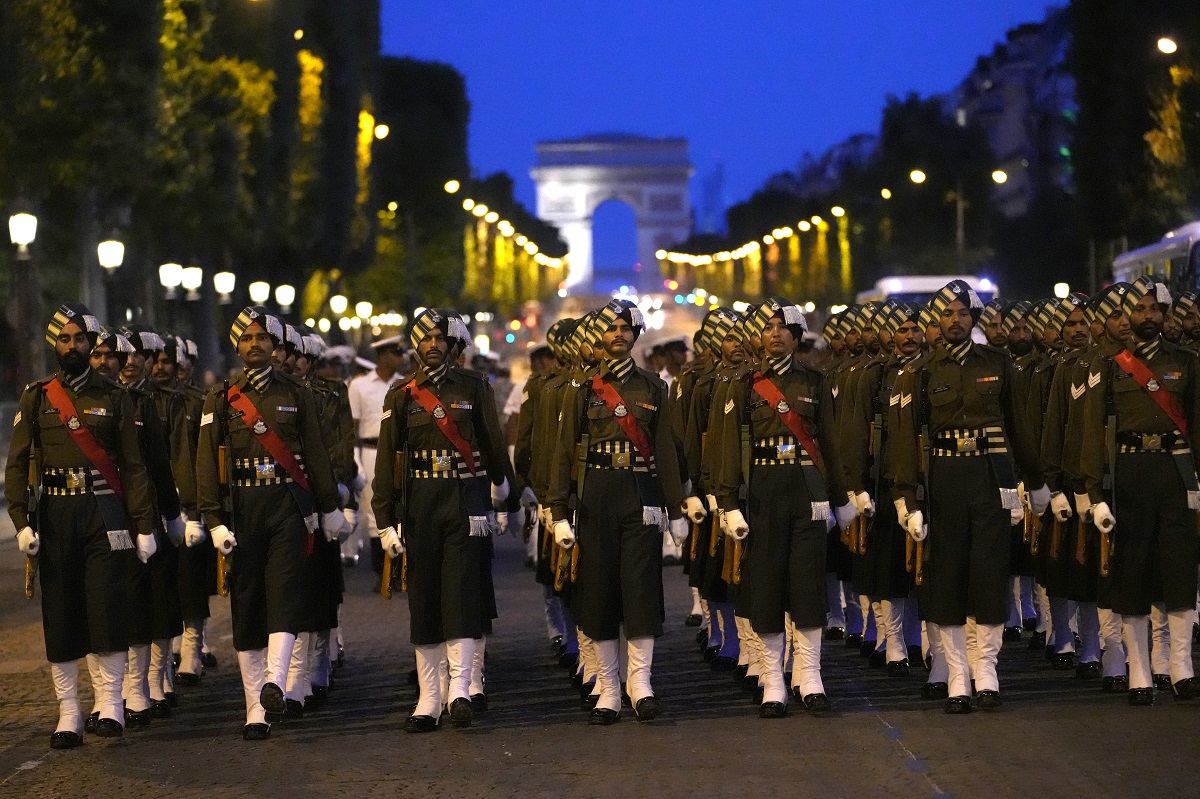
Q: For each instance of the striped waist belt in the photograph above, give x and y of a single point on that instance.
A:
(1172, 442)
(779, 451)
(69, 482)
(249, 472)
(441, 464)
(618, 455)
(969, 442)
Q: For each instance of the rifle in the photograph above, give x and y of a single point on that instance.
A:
(31, 492)
(1080, 541)
(921, 555)
(392, 575)
(874, 479)
(734, 553)
(1108, 540)
(225, 478)
(1056, 536)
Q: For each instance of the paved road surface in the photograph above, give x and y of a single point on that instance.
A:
(1055, 737)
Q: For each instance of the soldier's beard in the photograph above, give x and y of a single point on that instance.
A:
(1020, 348)
(1147, 330)
(73, 362)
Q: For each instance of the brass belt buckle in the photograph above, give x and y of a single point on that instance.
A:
(264, 471)
(785, 452)
(1152, 441)
(75, 480)
(441, 463)
(967, 444)
(621, 459)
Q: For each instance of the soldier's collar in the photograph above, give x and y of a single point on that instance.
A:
(1147, 349)
(78, 381)
(776, 366)
(435, 376)
(259, 378)
(959, 352)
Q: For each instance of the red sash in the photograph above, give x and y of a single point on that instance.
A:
(83, 437)
(768, 391)
(269, 439)
(620, 409)
(1142, 375)
(433, 406)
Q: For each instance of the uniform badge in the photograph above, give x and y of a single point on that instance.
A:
(260, 427)
(783, 407)
(834, 392)
(73, 423)
(439, 412)
(620, 410)
(729, 406)
(1152, 385)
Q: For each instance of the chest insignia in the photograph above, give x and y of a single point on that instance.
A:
(439, 412)
(783, 407)
(620, 410)
(260, 427)
(73, 423)
(729, 406)
(1152, 385)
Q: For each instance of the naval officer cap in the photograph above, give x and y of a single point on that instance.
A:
(395, 342)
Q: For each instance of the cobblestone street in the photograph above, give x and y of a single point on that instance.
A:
(1056, 736)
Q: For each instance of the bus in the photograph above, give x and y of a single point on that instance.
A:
(1175, 260)
(921, 288)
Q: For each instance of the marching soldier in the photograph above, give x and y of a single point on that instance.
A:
(440, 448)
(781, 464)
(961, 408)
(615, 430)
(74, 436)
(260, 438)
(1140, 418)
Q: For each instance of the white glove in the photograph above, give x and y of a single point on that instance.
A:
(679, 527)
(343, 495)
(499, 493)
(1083, 506)
(351, 517)
(546, 517)
(528, 498)
(915, 524)
(222, 539)
(864, 504)
(693, 508)
(845, 514)
(28, 541)
(175, 529)
(1060, 505)
(1039, 499)
(389, 538)
(712, 502)
(193, 533)
(1105, 521)
(146, 547)
(564, 536)
(735, 525)
(512, 521)
(1016, 515)
(332, 524)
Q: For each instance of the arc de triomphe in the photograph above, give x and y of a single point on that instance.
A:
(575, 176)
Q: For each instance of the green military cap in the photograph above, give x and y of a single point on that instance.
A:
(256, 314)
(71, 312)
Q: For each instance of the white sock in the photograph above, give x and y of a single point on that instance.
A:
(836, 616)
(772, 668)
(111, 667)
(66, 691)
(429, 659)
(608, 679)
(460, 654)
(1060, 623)
(640, 657)
(136, 688)
(1180, 623)
(989, 638)
(806, 671)
(1136, 632)
(253, 665)
(279, 657)
(1014, 602)
(954, 648)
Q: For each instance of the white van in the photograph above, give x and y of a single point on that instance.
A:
(1175, 260)
(921, 288)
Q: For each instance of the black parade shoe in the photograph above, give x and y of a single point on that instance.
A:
(272, 699)
(647, 708)
(418, 724)
(897, 669)
(817, 704)
(935, 690)
(989, 700)
(256, 732)
(89, 724)
(109, 728)
(462, 714)
(1115, 685)
(1141, 697)
(65, 739)
(772, 710)
(835, 633)
(603, 717)
(1185, 689)
(957, 705)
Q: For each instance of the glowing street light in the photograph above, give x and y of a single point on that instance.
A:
(338, 304)
(22, 229)
(452, 186)
(1167, 46)
(885, 193)
(260, 291)
(382, 131)
(917, 176)
(1062, 290)
(110, 254)
(285, 295)
(838, 211)
(999, 177)
(363, 309)
(190, 278)
(224, 282)
(170, 275)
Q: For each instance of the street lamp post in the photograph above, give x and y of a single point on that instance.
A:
(110, 254)
(26, 306)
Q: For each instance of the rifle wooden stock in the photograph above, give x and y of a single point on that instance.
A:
(1080, 542)
(404, 572)
(1056, 535)
(575, 562)
(1106, 549)
(737, 548)
(1035, 538)
(385, 582)
(714, 536)
(910, 554)
(919, 577)
(1028, 526)
(224, 564)
(559, 568)
(31, 570)
(222, 466)
(694, 549)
